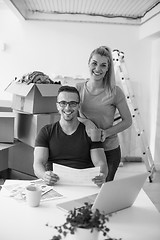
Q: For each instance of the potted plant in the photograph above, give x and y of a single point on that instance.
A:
(86, 220)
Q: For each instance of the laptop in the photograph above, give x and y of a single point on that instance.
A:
(113, 196)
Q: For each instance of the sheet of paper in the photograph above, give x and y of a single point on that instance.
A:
(73, 176)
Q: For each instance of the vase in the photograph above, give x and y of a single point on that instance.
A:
(86, 234)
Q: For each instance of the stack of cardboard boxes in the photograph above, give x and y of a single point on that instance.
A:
(34, 106)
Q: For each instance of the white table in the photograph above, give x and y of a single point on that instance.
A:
(21, 222)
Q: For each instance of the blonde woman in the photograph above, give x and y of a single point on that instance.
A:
(100, 98)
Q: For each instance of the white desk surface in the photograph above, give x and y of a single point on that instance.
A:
(21, 222)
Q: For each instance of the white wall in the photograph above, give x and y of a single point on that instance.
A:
(154, 110)
(56, 48)
(59, 48)
(150, 31)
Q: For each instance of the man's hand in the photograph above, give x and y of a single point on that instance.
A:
(99, 180)
(50, 178)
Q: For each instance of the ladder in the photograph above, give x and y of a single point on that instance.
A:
(120, 69)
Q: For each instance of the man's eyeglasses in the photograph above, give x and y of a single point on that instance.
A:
(72, 104)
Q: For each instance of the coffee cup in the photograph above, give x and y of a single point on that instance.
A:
(33, 195)
(95, 134)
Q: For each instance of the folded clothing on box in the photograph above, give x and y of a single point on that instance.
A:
(35, 77)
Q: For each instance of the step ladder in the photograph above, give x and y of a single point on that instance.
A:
(121, 70)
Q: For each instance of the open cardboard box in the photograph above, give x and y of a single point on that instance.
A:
(33, 98)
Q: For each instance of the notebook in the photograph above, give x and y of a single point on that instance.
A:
(113, 196)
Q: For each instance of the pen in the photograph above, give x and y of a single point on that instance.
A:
(47, 191)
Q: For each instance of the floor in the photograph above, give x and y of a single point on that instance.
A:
(152, 189)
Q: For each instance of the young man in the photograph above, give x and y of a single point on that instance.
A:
(67, 143)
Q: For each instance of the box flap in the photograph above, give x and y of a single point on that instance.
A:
(48, 90)
(21, 89)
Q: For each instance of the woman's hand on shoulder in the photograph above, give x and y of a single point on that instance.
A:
(89, 125)
(104, 135)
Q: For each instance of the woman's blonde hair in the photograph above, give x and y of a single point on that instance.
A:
(109, 78)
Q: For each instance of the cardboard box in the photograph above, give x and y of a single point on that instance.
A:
(4, 154)
(27, 126)
(5, 106)
(3, 159)
(7, 127)
(34, 98)
(21, 159)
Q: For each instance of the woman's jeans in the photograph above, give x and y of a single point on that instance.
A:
(113, 159)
